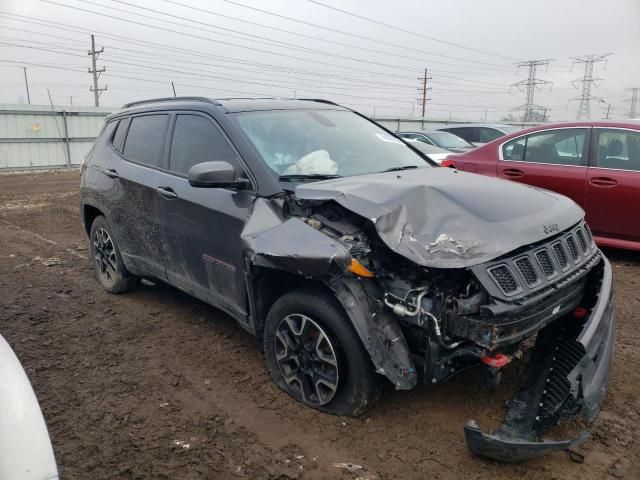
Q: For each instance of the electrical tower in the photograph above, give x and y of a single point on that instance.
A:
(97, 91)
(635, 102)
(587, 81)
(422, 91)
(532, 83)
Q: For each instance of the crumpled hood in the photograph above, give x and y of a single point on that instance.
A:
(444, 218)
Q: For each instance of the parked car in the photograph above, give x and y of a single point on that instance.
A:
(445, 140)
(353, 258)
(436, 154)
(480, 133)
(597, 164)
(25, 447)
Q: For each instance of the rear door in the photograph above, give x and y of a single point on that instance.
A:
(554, 159)
(134, 200)
(201, 227)
(613, 184)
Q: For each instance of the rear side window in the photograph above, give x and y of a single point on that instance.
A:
(145, 139)
(197, 139)
(118, 137)
(563, 146)
(619, 149)
(470, 134)
(486, 134)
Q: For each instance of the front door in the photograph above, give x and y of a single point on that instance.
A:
(553, 159)
(613, 184)
(201, 227)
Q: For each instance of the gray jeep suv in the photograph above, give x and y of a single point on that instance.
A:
(354, 257)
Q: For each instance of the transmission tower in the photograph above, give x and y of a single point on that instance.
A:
(422, 91)
(531, 84)
(587, 81)
(635, 102)
(97, 91)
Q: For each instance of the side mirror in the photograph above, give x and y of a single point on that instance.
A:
(215, 175)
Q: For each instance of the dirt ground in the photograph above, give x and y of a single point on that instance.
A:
(155, 384)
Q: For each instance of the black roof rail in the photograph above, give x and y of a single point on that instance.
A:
(247, 98)
(170, 99)
(319, 100)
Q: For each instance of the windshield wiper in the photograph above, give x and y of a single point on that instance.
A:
(307, 176)
(397, 169)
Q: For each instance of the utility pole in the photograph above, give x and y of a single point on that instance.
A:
(97, 91)
(26, 83)
(635, 102)
(71, 100)
(422, 90)
(532, 83)
(587, 81)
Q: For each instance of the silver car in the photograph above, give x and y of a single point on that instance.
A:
(445, 140)
(479, 133)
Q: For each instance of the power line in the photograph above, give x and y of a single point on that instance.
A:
(313, 37)
(421, 35)
(587, 81)
(353, 35)
(532, 83)
(95, 72)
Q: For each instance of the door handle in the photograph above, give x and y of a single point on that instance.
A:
(603, 182)
(110, 172)
(512, 172)
(166, 192)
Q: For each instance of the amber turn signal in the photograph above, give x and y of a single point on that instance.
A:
(358, 269)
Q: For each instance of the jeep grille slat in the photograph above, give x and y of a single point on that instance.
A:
(545, 262)
(505, 279)
(527, 270)
(582, 241)
(561, 255)
(573, 248)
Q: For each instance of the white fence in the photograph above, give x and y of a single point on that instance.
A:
(41, 137)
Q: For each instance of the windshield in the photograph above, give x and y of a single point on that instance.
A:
(448, 140)
(300, 143)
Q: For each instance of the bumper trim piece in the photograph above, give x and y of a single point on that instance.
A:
(504, 449)
(566, 376)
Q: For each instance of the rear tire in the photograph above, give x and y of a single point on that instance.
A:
(315, 355)
(106, 259)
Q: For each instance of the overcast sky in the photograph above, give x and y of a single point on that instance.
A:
(367, 56)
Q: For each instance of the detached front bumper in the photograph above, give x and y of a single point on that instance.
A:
(566, 376)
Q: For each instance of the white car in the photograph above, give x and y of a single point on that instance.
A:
(25, 447)
(436, 154)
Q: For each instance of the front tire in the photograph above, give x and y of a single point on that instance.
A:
(107, 261)
(315, 355)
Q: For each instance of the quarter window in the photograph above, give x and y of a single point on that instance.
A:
(145, 139)
(557, 147)
(619, 149)
(195, 140)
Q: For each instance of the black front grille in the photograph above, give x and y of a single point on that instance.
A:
(528, 271)
(544, 259)
(505, 279)
(557, 393)
(573, 248)
(561, 256)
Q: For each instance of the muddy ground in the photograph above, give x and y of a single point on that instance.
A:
(154, 384)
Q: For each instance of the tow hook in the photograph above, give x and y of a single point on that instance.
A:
(497, 361)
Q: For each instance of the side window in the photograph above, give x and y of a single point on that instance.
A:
(145, 139)
(197, 139)
(118, 137)
(470, 134)
(556, 147)
(619, 149)
(486, 134)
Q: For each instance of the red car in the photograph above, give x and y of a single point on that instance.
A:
(597, 164)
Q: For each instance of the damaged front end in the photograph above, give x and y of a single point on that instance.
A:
(432, 292)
